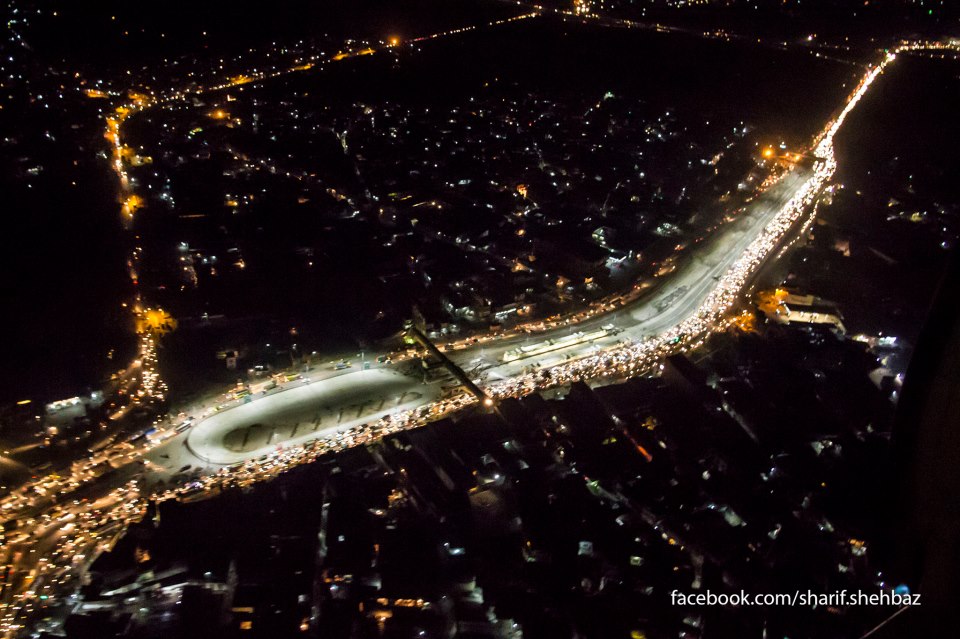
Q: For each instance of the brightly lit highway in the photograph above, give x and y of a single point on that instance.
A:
(674, 299)
(681, 309)
(329, 403)
(66, 519)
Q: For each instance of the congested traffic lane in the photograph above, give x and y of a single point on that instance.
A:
(690, 332)
(676, 297)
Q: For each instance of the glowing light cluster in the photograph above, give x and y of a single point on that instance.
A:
(152, 385)
(82, 533)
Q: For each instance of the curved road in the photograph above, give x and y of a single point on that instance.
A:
(305, 412)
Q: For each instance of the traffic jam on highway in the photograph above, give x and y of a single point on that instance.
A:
(61, 529)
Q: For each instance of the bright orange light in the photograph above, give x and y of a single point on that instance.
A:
(131, 204)
(393, 41)
(155, 321)
(219, 114)
(643, 451)
(768, 153)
